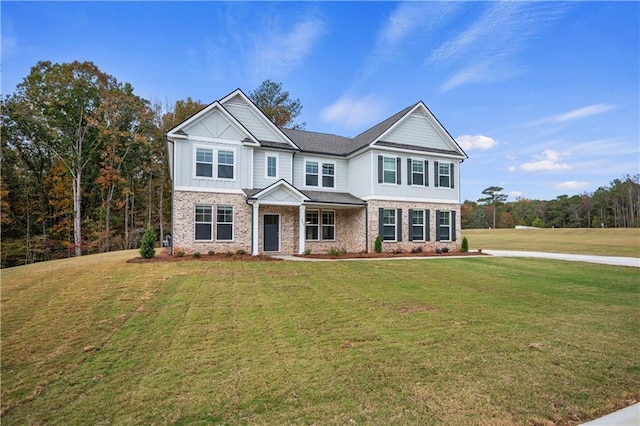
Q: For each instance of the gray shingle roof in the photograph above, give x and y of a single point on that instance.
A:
(324, 197)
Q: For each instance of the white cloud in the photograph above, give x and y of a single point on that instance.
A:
(512, 168)
(546, 162)
(279, 51)
(469, 142)
(572, 184)
(576, 114)
(515, 194)
(352, 112)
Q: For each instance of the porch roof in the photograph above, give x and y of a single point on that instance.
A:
(320, 197)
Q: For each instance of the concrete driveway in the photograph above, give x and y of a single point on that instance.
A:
(605, 260)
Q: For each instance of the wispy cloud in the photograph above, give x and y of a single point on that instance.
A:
(485, 49)
(469, 142)
(576, 114)
(547, 161)
(572, 184)
(353, 113)
(280, 50)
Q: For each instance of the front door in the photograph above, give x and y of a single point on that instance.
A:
(271, 232)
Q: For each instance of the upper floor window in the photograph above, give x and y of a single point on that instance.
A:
(224, 164)
(388, 169)
(272, 166)
(444, 176)
(312, 174)
(204, 162)
(417, 173)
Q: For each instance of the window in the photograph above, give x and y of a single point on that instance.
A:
(311, 224)
(417, 225)
(389, 170)
(417, 172)
(443, 174)
(328, 225)
(203, 223)
(389, 224)
(328, 173)
(204, 162)
(311, 173)
(272, 166)
(224, 223)
(225, 164)
(444, 229)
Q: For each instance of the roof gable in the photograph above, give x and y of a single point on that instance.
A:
(214, 121)
(245, 111)
(280, 192)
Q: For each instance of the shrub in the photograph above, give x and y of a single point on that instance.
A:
(333, 252)
(228, 253)
(147, 246)
(211, 252)
(307, 252)
(445, 249)
(240, 252)
(465, 245)
(416, 249)
(538, 223)
(180, 253)
(196, 255)
(377, 246)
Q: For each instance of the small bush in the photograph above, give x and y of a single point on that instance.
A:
(398, 251)
(416, 249)
(465, 245)
(439, 250)
(307, 252)
(333, 252)
(180, 253)
(228, 253)
(445, 249)
(147, 246)
(211, 253)
(377, 246)
(240, 252)
(196, 255)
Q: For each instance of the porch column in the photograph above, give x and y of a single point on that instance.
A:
(302, 228)
(255, 228)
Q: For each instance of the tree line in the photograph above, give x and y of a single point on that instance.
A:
(616, 205)
(84, 164)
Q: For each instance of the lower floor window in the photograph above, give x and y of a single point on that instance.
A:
(417, 225)
(312, 225)
(389, 224)
(224, 223)
(204, 219)
(444, 230)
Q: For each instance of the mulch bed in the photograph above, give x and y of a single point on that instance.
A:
(164, 256)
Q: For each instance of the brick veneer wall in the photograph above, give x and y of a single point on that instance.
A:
(349, 232)
(184, 203)
(405, 244)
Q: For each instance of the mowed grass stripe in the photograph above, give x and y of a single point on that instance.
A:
(467, 341)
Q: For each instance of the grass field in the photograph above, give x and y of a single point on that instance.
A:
(440, 341)
(607, 242)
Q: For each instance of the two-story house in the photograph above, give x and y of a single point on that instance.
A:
(241, 183)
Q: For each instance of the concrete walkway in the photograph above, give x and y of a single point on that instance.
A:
(629, 416)
(605, 260)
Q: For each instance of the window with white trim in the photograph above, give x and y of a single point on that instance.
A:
(328, 225)
(272, 166)
(225, 164)
(311, 173)
(389, 170)
(312, 224)
(417, 172)
(203, 223)
(444, 175)
(224, 223)
(417, 225)
(204, 162)
(444, 229)
(389, 224)
(328, 175)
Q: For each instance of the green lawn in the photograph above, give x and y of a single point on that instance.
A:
(607, 242)
(437, 341)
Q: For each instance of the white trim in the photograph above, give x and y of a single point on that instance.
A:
(409, 199)
(316, 225)
(438, 226)
(335, 225)
(432, 155)
(320, 162)
(424, 172)
(395, 226)
(233, 224)
(195, 223)
(215, 151)
(214, 140)
(424, 224)
(208, 190)
(395, 162)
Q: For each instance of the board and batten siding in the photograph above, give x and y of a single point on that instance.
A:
(417, 130)
(360, 175)
(260, 179)
(184, 160)
(253, 123)
(215, 126)
(340, 176)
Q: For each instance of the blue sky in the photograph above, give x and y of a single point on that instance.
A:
(544, 97)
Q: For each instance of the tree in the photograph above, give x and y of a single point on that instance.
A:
(276, 105)
(494, 198)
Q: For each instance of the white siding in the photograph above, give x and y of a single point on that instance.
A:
(214, 125)
(417, 130)
(253, 123)
(260, 179)
(360, 174)
(185, 165)
(340, 181)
